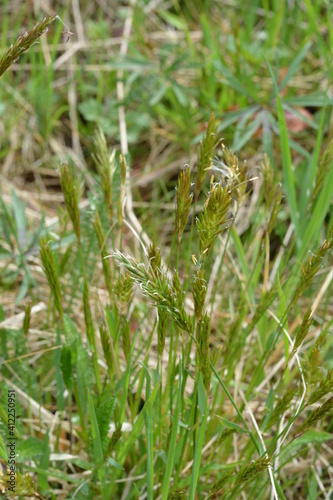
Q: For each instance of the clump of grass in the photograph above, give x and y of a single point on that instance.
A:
(226, 329)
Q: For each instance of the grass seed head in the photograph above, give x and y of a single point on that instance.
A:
(213, 220)
(199, 290)
(255, 468)
(184, 202)
(71, 191)
(324, 387)
(24, 42)
(50, 270)
(106, 345)
(206, 154)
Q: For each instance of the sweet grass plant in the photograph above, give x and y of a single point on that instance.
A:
(197, 366)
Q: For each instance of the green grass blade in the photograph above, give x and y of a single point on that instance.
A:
(127, 379)
(198, 450)
(172, 445)
(289, 180)
(294, 65)
(314, 226)
(96, 440)
(137, 427)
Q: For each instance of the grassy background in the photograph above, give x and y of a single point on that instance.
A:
(149, 75)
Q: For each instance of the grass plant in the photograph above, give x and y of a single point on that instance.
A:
(166, 311)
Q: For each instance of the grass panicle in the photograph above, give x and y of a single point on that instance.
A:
(24, 42)
(106, 345)
(123, 289)
(126, 338)
(275, 209)
(311, 268)
(312, 366)
(322, 171)
(213, 220)
(236, 173)
(184, 202)
(325, 386)
(281, 406)
(199, 290)
(206, 154)
(105, 164)
(155, 259)
(248, 472)
(315, 416)
(51, 273)
(303, 329)
(218, 485)
(71, 188)
(158, 289)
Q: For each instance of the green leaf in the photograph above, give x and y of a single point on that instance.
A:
(71, 331)
(85, 378)
(173, 20)
(232, 426)
(233, 81)
(318, 213)
(310, 100)
(3, 450)
(115, 464)
(137, 427)
(96, 439)
(20, 219)
(44, 463)
(155, 99)
(180, 94)
(173, 440)
(104, 413)
(289, 180)
(197, 454)
(202, 398)
(66, 365)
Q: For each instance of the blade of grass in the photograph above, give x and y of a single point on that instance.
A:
(137, 427)
(199, 442)
(289, 179)
(96, 441)
(172, 445)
